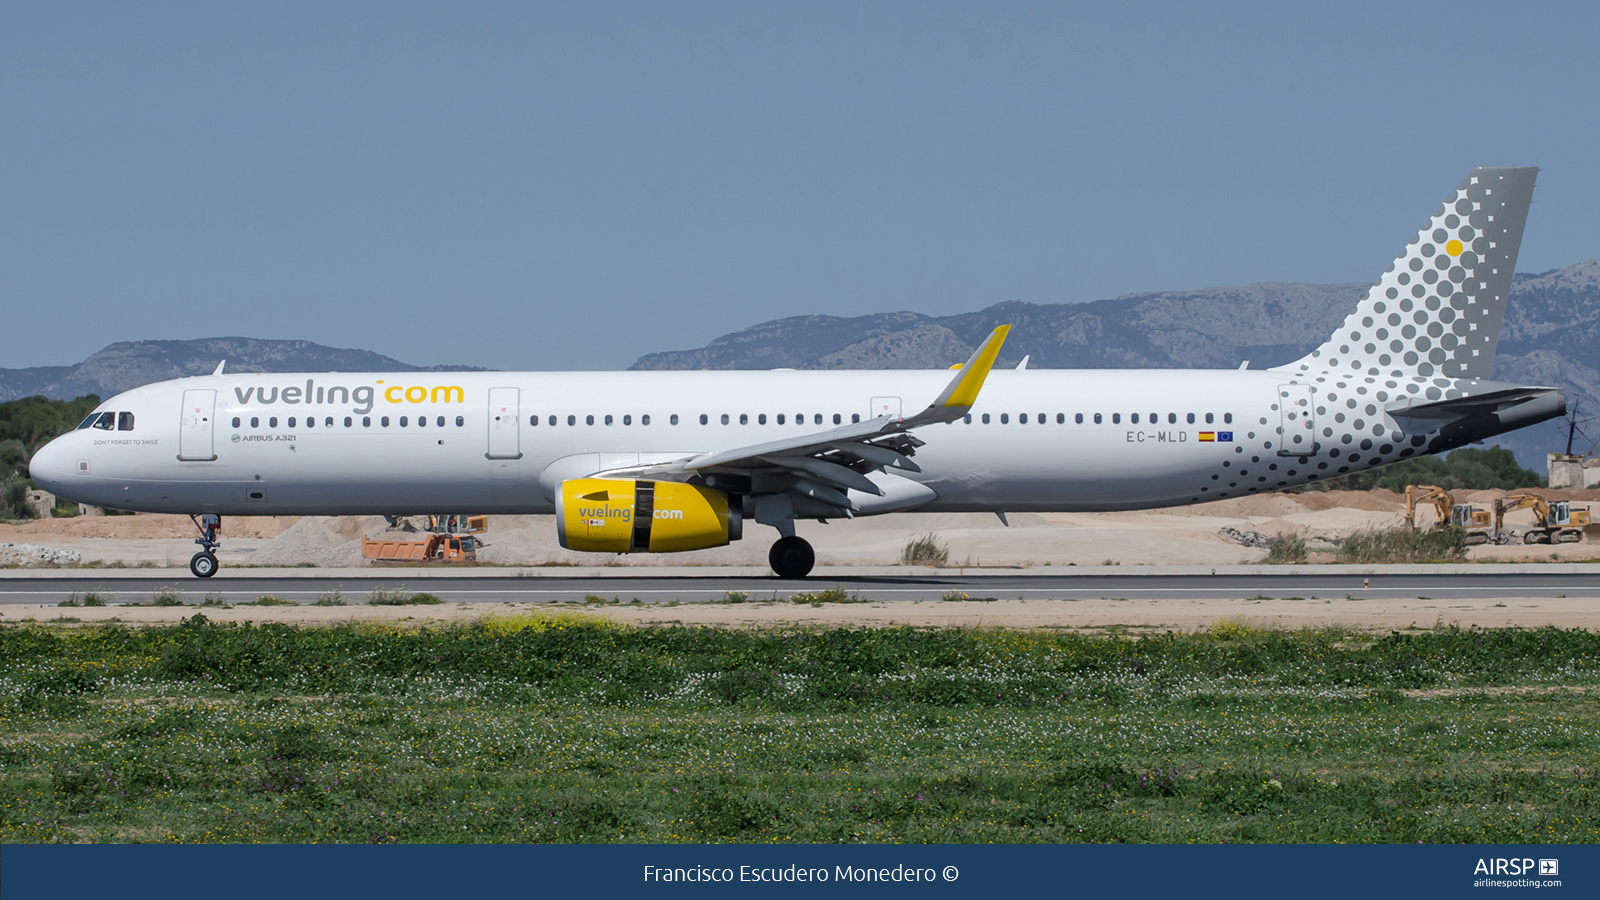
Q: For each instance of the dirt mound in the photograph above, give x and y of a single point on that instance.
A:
(1379, 500)
(320, 541)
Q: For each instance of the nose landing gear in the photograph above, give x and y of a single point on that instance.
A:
(791, 557)
(204, 563)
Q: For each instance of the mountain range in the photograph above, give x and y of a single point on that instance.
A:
(1551, 336)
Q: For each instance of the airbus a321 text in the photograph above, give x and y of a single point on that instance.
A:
(658, 462)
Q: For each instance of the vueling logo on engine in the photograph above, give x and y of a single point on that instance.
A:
(606, 512)
(361, 398)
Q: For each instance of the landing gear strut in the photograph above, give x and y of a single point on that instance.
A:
(204, 563)
(791, 557)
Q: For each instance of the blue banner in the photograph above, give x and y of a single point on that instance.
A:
(311, 872)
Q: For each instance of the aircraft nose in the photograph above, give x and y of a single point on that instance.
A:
(50, 466)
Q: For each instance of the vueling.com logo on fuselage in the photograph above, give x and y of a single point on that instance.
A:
(360, 399)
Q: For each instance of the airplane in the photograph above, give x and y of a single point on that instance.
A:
(661, 462)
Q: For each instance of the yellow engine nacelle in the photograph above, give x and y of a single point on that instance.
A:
(614, 515)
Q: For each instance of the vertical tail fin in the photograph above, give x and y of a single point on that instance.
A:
(1438, 309)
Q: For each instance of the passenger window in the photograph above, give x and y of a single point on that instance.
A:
(588, 420)
(348, 421)
(1172, 418)
(761, 419)
(724, 418)
(627, 420)
(855, 418)
(1022, 419)
(311, 421)
(985, 418)
(967, 418)
(440, 422)
(1116, 418)
(744, 418)
(366, 421)
(837, 419)
(1209, 418)
(124, 421)
(1078, 419)
(1097, 418)
(1005, 418)
(608, 420)
(255, 422)
(704, 419)
(1133, 419)
(460, 421)
(1191, 418)
(403, 421)
(1227, 418)
(644, 419)
(384, 421)
(572, 420)
(552, 421)
(533, 420)
(236, 421)
(780, 418)
(817, 418)
(272, 422)
(1041, 418)
(422, 421)
(329, 422)
(799, 418)
(1155, 418)
(673, 419)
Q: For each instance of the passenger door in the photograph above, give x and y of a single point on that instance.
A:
(504, 415)
(1298, 429)
(197, 427)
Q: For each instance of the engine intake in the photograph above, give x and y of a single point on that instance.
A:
(615, 515)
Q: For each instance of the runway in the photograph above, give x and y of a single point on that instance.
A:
(307, 588)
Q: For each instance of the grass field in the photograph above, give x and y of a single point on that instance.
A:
(561, 727)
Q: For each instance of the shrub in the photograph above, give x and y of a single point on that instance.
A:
(269, 600)
(167, 596)
(1286, 548)
(1400, 545)
(332, 598)
(925, 551)
(399, 597)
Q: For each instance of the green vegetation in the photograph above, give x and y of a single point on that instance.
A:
(925, 551)
(564, 727)
(25, 426)
(1286, 548)
(1401, 545)
(1468, 468)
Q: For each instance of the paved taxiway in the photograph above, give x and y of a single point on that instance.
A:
(304, 586)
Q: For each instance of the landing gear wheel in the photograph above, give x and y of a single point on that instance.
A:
(791, 557)
(203, 565)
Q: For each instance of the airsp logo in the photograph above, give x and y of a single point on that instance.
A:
(1549, 867)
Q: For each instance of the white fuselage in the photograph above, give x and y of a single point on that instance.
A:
(1162, 438)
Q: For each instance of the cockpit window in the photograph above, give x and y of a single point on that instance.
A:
(107, 421)
(89, 421)
(125, 421)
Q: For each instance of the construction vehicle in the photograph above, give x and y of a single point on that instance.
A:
(1555, 521)
(437, 548)
(457, 524)
(1476, 522)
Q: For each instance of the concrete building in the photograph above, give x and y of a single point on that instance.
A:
(1574, 471)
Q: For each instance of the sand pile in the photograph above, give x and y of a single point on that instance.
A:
(325, 541)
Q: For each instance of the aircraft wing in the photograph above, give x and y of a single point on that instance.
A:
(823, 465)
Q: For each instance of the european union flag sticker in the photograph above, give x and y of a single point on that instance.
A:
(1225, 436)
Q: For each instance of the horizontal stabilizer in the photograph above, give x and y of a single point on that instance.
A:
(1466, 406)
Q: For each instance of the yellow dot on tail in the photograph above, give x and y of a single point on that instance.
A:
(1454, 248)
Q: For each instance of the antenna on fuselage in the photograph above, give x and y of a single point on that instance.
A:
(219, 367)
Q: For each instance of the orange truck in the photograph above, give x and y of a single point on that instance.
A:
(437, 548)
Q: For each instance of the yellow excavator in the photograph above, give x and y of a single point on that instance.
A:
(1555, 521)
(1476, 522)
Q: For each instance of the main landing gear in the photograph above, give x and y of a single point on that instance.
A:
(204, 563)
(791, 557)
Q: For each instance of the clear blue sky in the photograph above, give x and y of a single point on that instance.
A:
(570, 186)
